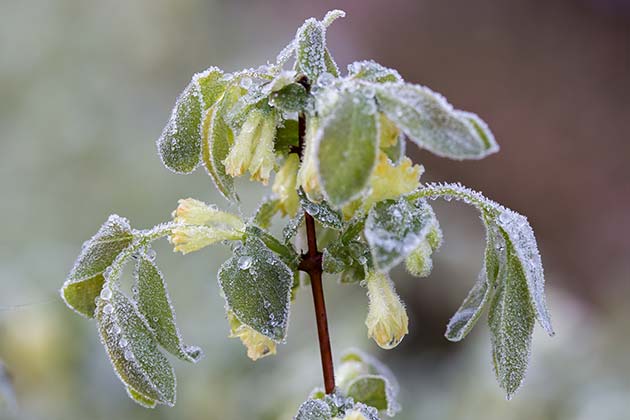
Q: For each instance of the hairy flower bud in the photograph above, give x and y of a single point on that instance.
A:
(200, 225)
(285, 184)
(264, 159)
(258, 345)
(419, 262)
(387, 320)
(241, 153)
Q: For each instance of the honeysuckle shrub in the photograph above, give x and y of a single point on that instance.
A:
(346, 167)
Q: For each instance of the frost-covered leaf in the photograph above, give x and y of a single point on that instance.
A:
(370, 390)
(283, 250)
(470, 310)
(331, 66)
(293, 225)
(347, 146)
(257, 285)
(522, 238)
(85, 281)
(313, 410)
(265, 212)
(155, 305)
(133, 351)
(371, 71)
(482, 130)
(217, 139)
(321, 212)
(212, 84)
(179, 146)
(286, 137)
(432, 123)
(331, 16)
(511, 319)
(394, 228)
(291, 98)
(311, 49)
(141, 399)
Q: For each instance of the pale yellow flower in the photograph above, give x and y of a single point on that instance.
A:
(392, 181)
(354, 415)
(258, 345)
(387, 320)
(389, 132)
(195, 212)
(308, 175)
(240, 155)
(264, 159)
(285, 185)
(189, 238)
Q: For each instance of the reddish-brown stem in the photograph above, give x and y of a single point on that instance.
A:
(311, 263)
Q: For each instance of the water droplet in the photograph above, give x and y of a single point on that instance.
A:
(151, 254)
(116, 329)
(325, 79)
(108, 309)
(245, 262)
(128, 355)
(106, 293)
(122, 343)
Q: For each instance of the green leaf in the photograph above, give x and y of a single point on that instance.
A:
(321, 212)
(432, 123)
(511, 321)
(371, 71)
(331, 66)
(133, 351)
(284, 251)
(331, 16)
(257, 286)
(265, 213)
(218, 138)
(347, 147)
(85, 281)
(212, 85)
(179, 146)
(470, 310)
(370, 390)
(394, 228)
(311, 49)
(291, 98)
(141, 399)
(286, 137)
(155, 305)
(293, 225)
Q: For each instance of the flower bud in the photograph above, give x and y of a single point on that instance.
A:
(387, 320)
(189, 238)
(195, 212)
(419, 262)
(258, 345)
(240, 156)
(308, 175)
(285, 185)
(264, 158)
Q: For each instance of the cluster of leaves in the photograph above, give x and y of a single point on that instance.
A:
(353, 178)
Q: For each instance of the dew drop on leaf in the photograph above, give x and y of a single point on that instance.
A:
(106, 293)
(244, 262)
(108, 309)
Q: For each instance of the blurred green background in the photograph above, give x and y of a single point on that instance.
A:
(86, 87)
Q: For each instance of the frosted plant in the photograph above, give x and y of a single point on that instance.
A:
(336, 143)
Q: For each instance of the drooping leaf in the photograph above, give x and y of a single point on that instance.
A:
(526, 252)
(141, 399)
(256, 284)
(511, 319)
(217, 139)
(155, 305)
(432, 123)
(311, 49)
(347, 146)
(291, 98)
(479, 296)
(179, 146)
(331, 16)
(370, 390)
(394, 228)
(85, 281)
(265, 213)
(133, 351)
(371, 71)
(212, 84)
(321, 212)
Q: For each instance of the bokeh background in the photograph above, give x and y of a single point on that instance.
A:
(86, 87)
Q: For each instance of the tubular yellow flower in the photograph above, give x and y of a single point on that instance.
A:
(307, 175)
(240, 156)
(264, 159)
(189, 238)
(285, 185)
(387, 320)
(388, 132)
(195, 212)
(258, 345)
(390, 181)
